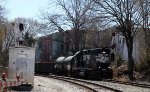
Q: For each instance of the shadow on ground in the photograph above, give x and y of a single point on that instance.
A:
(21, 88)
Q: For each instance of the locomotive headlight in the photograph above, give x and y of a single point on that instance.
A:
(99, 67)
(104, 52)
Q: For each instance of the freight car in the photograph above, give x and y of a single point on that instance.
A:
(44, 68)
(63, 65)
(90, 63)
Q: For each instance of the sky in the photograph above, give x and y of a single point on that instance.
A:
(25, 8)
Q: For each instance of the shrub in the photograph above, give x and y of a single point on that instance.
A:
(119, 60)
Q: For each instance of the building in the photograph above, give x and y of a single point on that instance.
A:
(88, 39)
(38, 50)
(49, 47)
(63, 43)
(57, 45)
(45, 49)
(121, 47)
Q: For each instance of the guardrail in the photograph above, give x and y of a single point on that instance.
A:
(9, 83)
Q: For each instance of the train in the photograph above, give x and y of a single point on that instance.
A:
(89, 63)
(44, 68)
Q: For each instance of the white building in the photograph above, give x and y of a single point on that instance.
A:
(121, 47)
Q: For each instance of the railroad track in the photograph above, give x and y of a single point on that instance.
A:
(85, 84)
(130, 83)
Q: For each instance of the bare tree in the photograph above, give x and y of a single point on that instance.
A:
(3, 27)
(7, 41)
(125, 14)
(77, 15)
(2, 20)
(31, 29)
(144, 11)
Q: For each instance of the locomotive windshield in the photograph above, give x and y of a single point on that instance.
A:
(103, 55)
(104, 58)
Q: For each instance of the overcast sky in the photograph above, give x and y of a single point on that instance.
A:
(25, 8)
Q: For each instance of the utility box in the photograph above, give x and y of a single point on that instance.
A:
(21, 63)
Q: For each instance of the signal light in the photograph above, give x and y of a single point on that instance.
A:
(20, 42)
(21, 27)
(113, 34)
(113, 46)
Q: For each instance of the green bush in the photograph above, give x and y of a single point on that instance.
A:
(119, 60)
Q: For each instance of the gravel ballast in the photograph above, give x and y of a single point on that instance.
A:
(43, 84)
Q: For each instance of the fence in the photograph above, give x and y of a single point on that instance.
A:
(3, 70)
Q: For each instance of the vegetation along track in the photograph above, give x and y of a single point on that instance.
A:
(143, 85)
(83, 83)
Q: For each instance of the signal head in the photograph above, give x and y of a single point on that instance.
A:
(21, 27)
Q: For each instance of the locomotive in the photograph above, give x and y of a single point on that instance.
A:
(89, 63)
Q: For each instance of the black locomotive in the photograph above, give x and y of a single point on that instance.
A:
(90, 63)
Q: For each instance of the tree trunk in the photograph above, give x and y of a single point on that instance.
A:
(0, 52)
(77, 39)
(130, 58)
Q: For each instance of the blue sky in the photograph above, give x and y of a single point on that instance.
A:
(25, 8)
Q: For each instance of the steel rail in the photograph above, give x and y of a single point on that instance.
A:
(83, 81)
(130, 83)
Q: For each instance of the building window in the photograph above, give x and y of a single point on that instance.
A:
(49, 47)
(62, 46)
(120, 41)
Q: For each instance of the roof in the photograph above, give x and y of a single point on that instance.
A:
(60, 59)
(77, 53)
(69, 58)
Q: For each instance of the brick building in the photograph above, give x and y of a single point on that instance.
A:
(45, 49)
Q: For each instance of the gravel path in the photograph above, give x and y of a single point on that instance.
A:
(51, 85)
